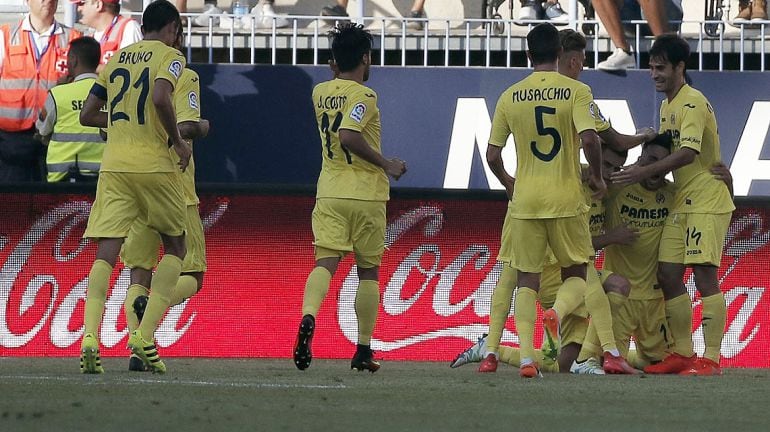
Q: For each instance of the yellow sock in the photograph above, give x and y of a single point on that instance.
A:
(525, 313)
(714, 317)
(316, 287)
(617, 301)
(502, 297)
(591, 346)
(601, 315)
(570, 296)
(634, 359)
(134, 291)
(163, 283)
(510, 355)
(367, 305)
(185, 288)
(679, 317)
(96, 295)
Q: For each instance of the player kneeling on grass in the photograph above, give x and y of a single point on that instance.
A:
(353, 188)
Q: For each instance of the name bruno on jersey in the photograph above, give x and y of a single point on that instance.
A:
(544, 94)
(134, 57)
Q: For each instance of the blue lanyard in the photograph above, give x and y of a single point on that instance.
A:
(39, 55)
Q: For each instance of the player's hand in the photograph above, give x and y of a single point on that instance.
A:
(628, 175)
(509, 187)
(395, 168)
(599, 187)
(623, 235)
(721, 172)
(184, 152)
(647, 133)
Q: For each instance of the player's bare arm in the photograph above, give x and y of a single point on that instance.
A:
(161, 97)
(495, 162)
(193, 129)
(621, 142)
(92, 114)
(356, 143)
(635, 173)
(593, 151)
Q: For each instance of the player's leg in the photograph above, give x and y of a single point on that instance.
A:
(704, 253)
(616, 289)
(651, 333)
(194, 264)
(162, 201)
(111, 216)
(500, 308)
(570, 241)
(368, 238)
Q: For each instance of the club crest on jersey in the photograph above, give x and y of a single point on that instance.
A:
(175, 68)
(358, 111)
(193, 100)
(660, 198)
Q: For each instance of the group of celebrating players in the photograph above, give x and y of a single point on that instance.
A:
(559, 212)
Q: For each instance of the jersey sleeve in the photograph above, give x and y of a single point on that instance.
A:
(187, 97)
(171, 66)
(581, 111)
(602, 124)
(692, 125)
(498, 136)
(359, 110)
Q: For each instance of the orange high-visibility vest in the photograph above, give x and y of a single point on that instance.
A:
(25, 81)
(113, 35)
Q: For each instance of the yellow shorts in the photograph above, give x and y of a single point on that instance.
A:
(694, 238)
(575, 325)
(140, 250)
(154, 199)
(527, 241)
(645, 320)
(346, 225)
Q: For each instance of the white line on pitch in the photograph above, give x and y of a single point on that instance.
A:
(117, 380)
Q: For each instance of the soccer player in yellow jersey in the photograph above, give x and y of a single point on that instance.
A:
(139, 178)
(140, 251)
(695, 231)
(353, 188)
(549, 116)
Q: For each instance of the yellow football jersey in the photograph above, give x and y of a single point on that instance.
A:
(545, 112)
(187, 106)
(645, 211)
(136, 140)
(596, 212)
(690, 120)
(345, 104)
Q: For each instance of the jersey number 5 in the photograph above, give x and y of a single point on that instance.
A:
(142, 83)
(335, 126)
(540, 111)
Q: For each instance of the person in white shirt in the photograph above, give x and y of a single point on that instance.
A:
(112, 30)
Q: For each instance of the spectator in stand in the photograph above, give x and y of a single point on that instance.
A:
(341, 10)
(751, 10)
(74, 151)
(263, 11)
(112, 30)
(609, 14)
(33, 57)
(541, 10)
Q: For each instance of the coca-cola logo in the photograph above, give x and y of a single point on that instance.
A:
(746, 235)
(44, 291)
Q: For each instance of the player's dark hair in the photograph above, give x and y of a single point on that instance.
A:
(350, 42)
(158, 15)
(572, 40)
(672, 48)
(543, 43)
(662, 139)
(87, 50)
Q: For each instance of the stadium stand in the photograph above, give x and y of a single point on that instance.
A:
(456, 34)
